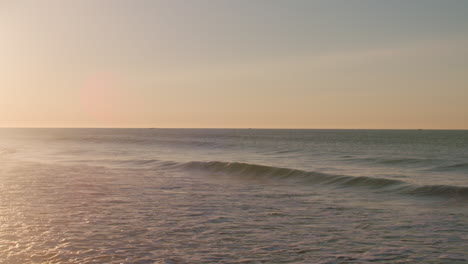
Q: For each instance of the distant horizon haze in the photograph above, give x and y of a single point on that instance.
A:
(252, 64)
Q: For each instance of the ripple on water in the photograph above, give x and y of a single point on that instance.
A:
(77, 214)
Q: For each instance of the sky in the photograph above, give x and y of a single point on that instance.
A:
(375, 64)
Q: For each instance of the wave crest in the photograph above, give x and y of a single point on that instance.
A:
(255, 171)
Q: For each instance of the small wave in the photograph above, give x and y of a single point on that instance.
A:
(398, 161)
(137, 162)
(7, 151)
(129, 163)
(456, 166)
(255, 171)
(392, 161)
(145, 140)
(437, 190)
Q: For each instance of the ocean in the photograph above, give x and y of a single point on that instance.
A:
(233, 196)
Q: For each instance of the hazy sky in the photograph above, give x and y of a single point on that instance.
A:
(237, 63)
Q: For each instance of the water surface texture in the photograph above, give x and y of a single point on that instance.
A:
(233, 196)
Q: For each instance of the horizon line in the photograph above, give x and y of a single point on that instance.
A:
(240, 128)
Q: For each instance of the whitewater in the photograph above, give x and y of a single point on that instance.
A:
(233, 196)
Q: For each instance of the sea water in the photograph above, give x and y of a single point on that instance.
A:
(233, 196)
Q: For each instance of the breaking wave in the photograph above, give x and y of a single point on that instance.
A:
(255, 171)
